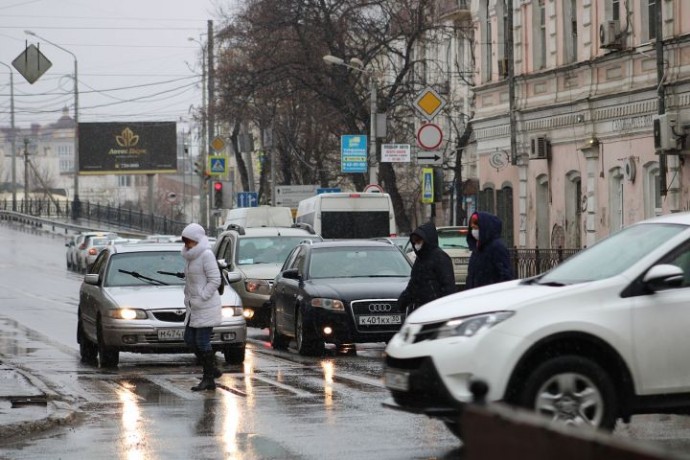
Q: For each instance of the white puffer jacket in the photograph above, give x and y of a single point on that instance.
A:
(202, 279)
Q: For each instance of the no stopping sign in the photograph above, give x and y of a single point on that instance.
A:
(429, 136)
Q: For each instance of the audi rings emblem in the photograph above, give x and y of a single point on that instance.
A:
(380, 307)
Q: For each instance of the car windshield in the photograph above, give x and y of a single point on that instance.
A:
(455, 239)
(99, 241)
(613, 255)
(357, 262)
(133, 268)
(267, 250)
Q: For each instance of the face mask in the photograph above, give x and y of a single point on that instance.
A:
(475, 233)
(418, 247)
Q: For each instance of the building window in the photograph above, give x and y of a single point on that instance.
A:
(616, 10)
(570, 30)
(539, 20)
(488, 40)
(486, 200)
(124, 181)
(651, 21)
(652, 190)
(504, 208)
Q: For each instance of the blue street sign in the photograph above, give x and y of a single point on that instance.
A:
(216, 165)
(353, 153)
(327, 190)
(247, 199)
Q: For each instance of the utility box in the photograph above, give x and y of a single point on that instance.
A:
(664, 137)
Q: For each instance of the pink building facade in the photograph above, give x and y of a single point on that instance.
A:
(588, 91)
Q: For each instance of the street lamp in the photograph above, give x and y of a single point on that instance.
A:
(202, 155)
(358, 65)
(76, 205)
(14, 141)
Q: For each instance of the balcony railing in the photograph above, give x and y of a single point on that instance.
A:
(450, 8)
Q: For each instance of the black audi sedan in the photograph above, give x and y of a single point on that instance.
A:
(341, 292)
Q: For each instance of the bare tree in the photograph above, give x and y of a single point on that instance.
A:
(271, 73)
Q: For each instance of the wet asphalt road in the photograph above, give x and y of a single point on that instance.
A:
(277, 405)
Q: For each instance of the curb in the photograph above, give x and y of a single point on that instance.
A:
(58, 412)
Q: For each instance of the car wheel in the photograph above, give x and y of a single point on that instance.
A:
(87, 349)
(572, 390)
(234, 354)
(306, 345)
(278, 340)
(107, 356)
(454, 428)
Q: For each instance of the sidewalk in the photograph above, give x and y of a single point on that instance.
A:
(28, 405)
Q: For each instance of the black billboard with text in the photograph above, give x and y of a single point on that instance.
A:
(128, 148)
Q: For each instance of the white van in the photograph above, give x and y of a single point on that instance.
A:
(261, 216)
(348, 215)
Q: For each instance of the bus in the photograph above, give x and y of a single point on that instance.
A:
(348, 215)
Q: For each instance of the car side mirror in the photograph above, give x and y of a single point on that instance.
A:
(292, 274)
(92, 278)
(233, 277)
(664, 276)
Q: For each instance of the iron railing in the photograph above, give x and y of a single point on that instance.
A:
(130, 219)
(532, 262)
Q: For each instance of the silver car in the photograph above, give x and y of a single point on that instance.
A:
(132, 300)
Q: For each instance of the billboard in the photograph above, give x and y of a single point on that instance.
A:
(127, 148)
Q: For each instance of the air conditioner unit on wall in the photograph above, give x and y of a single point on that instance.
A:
(664, 137)
(610, 35)
(540, 148)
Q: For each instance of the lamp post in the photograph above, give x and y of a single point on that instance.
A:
(13, 140)
(76, 205)
(202, 154)
(358, 65)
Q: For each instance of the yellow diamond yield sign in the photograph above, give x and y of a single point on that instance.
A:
(218, 144)
(429, 103)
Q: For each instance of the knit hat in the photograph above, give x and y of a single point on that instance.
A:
(194, 232)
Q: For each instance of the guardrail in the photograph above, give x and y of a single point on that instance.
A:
(97, 214)
(57, 226)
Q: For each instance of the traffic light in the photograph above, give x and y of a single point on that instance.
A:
(197, 168)
(217, 195)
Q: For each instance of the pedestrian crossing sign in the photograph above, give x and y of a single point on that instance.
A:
(217, 165)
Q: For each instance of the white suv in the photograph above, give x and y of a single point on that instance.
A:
(605, 335)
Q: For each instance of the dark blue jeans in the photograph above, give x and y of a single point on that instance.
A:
(198, 338)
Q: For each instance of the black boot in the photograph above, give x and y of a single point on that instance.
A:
(207, 383)
(217, 373)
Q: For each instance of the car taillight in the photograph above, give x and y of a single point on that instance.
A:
(93, 251)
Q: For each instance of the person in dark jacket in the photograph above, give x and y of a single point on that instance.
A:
(490, 260)
(432, 272)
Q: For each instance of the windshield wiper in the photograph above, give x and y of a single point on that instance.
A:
(178, 274)
(551, 283)
(144, 278)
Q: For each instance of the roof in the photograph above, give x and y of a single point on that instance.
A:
(146, 247)
(271, 231)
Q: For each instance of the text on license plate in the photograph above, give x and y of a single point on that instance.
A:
(396, 380)
(375, 320)
(170, 334)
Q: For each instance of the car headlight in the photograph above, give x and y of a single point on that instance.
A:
(126, 313)
(328, 304)
(470, 325)
(229, 312)
(257, 286)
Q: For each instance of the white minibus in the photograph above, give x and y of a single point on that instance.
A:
(348, 215)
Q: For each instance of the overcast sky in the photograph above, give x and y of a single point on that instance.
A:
(135, 61)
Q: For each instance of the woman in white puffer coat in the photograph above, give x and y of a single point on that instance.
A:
(204, 310)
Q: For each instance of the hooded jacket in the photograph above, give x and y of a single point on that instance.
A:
(432, 273)
(202, 279)
(490, 260)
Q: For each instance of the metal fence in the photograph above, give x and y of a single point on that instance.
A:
(131, 219)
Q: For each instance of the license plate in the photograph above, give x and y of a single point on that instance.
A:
(458, 261)
(170, 334)
(378, 320)
(396, 380)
